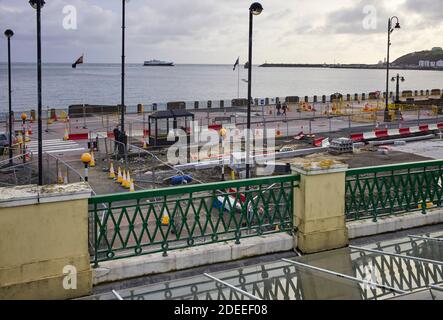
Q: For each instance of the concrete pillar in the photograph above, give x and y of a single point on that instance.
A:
(44, 242)
(320, 206)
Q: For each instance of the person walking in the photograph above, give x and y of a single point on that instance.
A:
(116, 137)
(285, 108)
(278, 107)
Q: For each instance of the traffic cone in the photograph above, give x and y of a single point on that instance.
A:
(165, 218)
(119, 175)
(65, 179)
(112, 172)
(145, 145)
(128, 181)
(132, 188)
(60, 179)
(27, 154)
(66, 136)
(92, 163)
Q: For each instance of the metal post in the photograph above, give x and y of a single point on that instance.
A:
(86, 172)
(39, 90)
(387, 72)
(248, 133)
(24, 139)
(10, 101)
(123, 69)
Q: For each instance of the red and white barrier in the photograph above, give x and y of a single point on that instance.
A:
(402, 132)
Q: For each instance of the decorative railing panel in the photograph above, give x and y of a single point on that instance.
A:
(161, 220)
(388, 190)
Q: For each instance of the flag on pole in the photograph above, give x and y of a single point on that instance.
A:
(236, 63)
(79, 61)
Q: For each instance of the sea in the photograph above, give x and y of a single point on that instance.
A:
(100, 83)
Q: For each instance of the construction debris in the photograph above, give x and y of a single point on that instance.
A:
(341, 145)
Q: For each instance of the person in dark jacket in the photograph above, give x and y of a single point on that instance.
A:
(116, 137)
(278, 107)
(285, 108)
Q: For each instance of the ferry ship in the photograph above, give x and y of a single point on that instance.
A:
(158, 63)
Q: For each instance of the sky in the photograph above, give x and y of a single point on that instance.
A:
(216, 31)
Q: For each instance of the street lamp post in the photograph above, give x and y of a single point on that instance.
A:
(255, 9)
(390, 30)
(38, 5)
(398, 78)
(122, 104)
(9, 33)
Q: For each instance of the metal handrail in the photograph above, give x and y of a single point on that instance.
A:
(395, 167)
(193, 189)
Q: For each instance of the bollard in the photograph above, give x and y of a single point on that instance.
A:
(86, 159)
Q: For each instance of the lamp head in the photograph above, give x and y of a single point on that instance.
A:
(9, 33)
(402, 79)
(34, 3)
(86, 158)
(397, 25)
(256, 8)
(393, 79)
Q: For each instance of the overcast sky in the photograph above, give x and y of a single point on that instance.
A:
(216, 31)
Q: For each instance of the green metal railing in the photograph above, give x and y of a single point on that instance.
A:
(133, 224)
(388, 190)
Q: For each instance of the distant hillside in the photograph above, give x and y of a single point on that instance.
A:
(413, 58)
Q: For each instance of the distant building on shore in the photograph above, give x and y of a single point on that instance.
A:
(430, 64)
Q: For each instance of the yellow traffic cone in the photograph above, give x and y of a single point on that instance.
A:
(132, 187)
(65, 180)
(66, 135)
(60, 179)
(119, 175)
(128, 181)
(124, 179)
(92, 163)
(165, 218)
(112, 172)
(232, 175)
(145, 145)
(20, 139)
